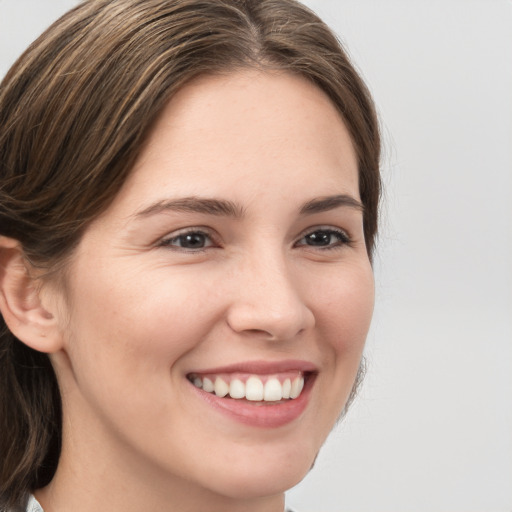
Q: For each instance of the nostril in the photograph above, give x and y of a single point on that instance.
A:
(260, 332)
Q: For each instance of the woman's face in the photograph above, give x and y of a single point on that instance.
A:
(233, 258)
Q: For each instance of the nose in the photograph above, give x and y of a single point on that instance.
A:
(267, 301)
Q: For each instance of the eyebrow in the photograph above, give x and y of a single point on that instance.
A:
(222, 207)
(324, 204)
(219, 207)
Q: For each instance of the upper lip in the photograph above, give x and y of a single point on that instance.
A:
(262, 367)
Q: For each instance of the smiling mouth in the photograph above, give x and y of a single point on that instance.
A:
(276, 388)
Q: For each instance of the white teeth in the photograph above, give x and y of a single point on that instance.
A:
(237, 389)
(297, 385)
(254, 389)
(273, 390)
(221, 388)
(208, 385)
(287, 386)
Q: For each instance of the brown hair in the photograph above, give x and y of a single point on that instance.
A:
(75, 111)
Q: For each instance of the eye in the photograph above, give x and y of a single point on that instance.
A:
(192, 239)
(325, 238)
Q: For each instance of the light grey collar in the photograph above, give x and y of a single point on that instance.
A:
(33, 505)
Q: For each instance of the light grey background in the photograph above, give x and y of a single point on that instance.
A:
(432, 429)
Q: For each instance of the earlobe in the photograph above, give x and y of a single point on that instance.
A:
(20, 302)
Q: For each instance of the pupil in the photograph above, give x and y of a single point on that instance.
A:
(319, 238)
(193, 240)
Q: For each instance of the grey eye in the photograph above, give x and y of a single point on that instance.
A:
(189, 240)
(192, 240)
(325, 238)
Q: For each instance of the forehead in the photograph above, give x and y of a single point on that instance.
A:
(220, 132)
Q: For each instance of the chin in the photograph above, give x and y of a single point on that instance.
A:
(258, 485)
(264, 475)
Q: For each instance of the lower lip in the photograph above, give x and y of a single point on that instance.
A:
(260, 414)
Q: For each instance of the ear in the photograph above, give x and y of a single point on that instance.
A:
(20, 303)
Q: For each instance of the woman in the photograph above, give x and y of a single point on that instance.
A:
(187, 216)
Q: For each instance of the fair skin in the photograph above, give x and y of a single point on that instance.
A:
(272, 282)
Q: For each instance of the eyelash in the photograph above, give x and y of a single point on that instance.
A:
(342, 237)
(167, 242)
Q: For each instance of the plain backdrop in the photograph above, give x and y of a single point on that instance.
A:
(432, 428)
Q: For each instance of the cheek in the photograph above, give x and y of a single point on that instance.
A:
(343, 317)
(144, 318)
(123, 338)
(344, 307)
